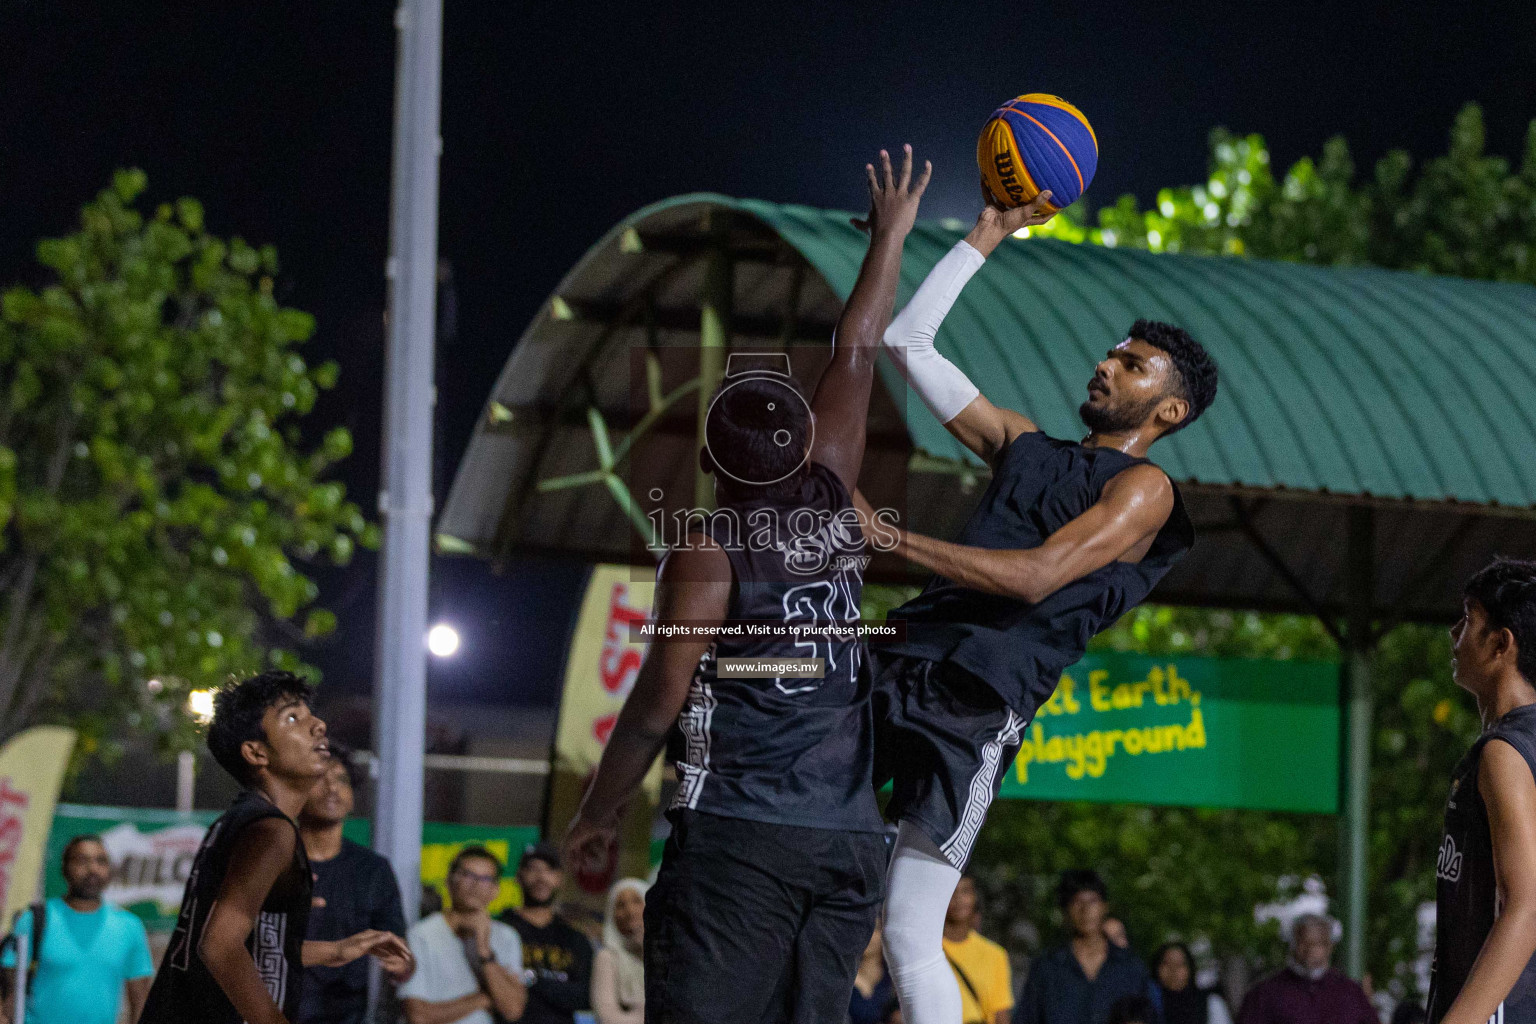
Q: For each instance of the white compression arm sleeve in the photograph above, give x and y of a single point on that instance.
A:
(943, 386)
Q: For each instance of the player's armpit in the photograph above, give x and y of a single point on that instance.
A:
(1508, 790)
(987, 429)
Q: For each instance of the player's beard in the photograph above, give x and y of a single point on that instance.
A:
(1112, 418)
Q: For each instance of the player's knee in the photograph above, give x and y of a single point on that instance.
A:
(908, 943)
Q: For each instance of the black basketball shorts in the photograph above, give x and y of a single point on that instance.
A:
(945, 740)
(758, 923)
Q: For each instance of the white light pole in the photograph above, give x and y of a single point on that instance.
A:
(405, 500)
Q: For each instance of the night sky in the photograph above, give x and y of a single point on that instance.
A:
(561, 118)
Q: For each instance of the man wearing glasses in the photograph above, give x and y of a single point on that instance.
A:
(467, 965)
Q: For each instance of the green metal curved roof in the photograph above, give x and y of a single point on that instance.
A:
(1353, 381)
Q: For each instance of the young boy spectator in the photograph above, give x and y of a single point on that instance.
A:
(355, 890)
(1080, 982)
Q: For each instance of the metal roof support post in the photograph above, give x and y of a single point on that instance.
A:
(1359, 652)
(405, 499)
(714, 339)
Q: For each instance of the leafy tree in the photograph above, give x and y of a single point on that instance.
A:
(154, 487)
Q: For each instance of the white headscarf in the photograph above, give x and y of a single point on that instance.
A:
(627, 957)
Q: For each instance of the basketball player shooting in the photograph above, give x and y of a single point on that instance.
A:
(1067, 538)
(771, 880)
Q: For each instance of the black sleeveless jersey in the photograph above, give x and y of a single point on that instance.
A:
(785, 750)
(1039, 484)
(184, 992)
(1466, 897)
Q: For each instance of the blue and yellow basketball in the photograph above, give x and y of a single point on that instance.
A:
(1033, 143)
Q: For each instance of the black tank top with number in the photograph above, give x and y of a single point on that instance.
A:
(184, 992)
(1039, 485)
(784, 749)
(1466, 896)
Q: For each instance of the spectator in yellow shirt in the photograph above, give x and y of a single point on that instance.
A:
(980, 965)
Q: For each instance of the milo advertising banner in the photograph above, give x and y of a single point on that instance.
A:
(1201, 732)
(152, 850)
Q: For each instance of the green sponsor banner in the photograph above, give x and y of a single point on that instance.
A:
(151, 851)
(1198, 732)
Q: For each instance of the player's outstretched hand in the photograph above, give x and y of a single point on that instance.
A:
(587, 843)
(1037, 211)
(893, 199)
(995, 223)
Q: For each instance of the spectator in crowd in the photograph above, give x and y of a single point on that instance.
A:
(980, 965)
(618, 969)
(1133, 1010)
(872, 988)
(1184, 1002)
(90, 952)
(467, 965)
(1307, 990)
(355, 890)
(1114, 931)
(1409, 1011)
(1079, 982)
(557, 957)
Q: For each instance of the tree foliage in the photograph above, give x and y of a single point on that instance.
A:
(155, 492)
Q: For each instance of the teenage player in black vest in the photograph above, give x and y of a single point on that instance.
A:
(771, 880)
(239, 946)
(1067, 538)
(1485, 909)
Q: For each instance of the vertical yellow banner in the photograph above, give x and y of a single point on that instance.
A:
(31, 771)
(601, 667)
(600, 671)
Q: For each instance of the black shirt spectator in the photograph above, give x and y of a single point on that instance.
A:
(354, 890)
(557, 958)
(1058, 992)
(360, 893)
(1060, 989)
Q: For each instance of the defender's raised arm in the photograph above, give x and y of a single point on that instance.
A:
(841, 402)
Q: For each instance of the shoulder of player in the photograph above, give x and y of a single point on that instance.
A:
(702, 560)
(275, 832)
(1502, 765)
(1142, 484)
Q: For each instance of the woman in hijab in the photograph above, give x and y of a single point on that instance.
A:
(618, 970)
(1183, 1002)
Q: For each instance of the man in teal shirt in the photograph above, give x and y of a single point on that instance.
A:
(91, 953)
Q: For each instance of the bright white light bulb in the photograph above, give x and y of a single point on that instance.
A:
(443, 640)
(200, 704)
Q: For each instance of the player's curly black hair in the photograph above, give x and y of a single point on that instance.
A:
(237, 711)
(1506, 588)
(1196, 369)
(757, 429)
